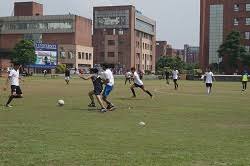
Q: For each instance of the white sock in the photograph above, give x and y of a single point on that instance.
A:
(208, 90)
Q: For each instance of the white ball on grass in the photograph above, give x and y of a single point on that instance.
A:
(60, 102)
(142, 123)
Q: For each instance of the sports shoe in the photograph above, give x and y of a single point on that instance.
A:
(9, 106)
(111, 108)
(91, 105)
(103, 110)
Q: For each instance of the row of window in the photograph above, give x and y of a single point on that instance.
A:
(147, 57)
(237, 7)
(82, 55)
(144, 35)
(144, 46)
(237, 21)
(144, 67)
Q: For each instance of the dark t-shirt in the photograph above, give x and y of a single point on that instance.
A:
(67, 73)
(97, 82)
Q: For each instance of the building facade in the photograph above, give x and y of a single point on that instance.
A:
(218, 18)
(72, 34)
(191, 54)
(124, 38)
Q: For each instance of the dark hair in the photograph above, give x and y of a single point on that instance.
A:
(94, 70)
(105, 66)
(132, 68)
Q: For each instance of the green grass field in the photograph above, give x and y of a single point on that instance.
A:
(183, 128)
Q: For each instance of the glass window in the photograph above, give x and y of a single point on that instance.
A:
(90, 56)
(87, 56)
(236, 21)
(236, 7)
(83, 55)
(247, 35)
(111, 42)
(248, 21)
(111, 54)
(70, 55)
(248, 7)
(79, 55)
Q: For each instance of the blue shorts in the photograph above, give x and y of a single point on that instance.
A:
(107, 90)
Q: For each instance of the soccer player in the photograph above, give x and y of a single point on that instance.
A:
(97, 83)
(175, 73)
(128, 77)
(138, 83)
(167, 76)
(109, 82)
(208, 78)
(244, 81)
(67, 76)
(14, 78)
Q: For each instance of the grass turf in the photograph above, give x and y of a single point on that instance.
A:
(184, 127)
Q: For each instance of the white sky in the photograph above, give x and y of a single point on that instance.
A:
(177, 20)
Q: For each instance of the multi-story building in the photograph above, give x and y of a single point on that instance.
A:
(161, 49)
(72, 34)
(124, 37)
(218, 19)
(191, 54)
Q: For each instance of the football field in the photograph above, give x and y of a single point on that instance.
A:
(183, 128)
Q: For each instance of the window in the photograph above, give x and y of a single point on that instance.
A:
(70, 55)
(248, 21)
(236, 7)
(248, 7)
(151, 57)
(236, 21)
(247, 35)
(90, 56)
(111, 42)
(87, 56)
(120, 32)
(79, 55)
(62, 55)
(247, 48)
(111, 54)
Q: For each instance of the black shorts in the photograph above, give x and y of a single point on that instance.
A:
(16, 89)
(209, 85)
(97, 91)
(138, 86)
(175, 80)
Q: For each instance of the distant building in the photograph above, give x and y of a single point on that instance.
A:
(72, 34)
(191, 54)
(161, 49)
(218, 19)
(124, 38)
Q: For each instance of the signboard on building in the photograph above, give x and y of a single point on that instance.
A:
(46, 55)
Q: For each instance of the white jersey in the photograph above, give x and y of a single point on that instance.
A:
(137, 79)
(14, 77)
(175, 74)
(108, 75)
(209, 77)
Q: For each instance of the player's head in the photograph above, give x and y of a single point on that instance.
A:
(132, 69)
(16, 66)
(94, 71)
(105, 66)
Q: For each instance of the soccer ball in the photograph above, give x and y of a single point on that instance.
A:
(60, 102)
(142, 123)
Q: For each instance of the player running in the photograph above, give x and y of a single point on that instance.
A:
(97, 83)
(128, 77)
(109, 82)
(67, 76)
(167, 76)
(244, 81)
(208, 79)
(138, 83)
(175, 73)
(14, 78)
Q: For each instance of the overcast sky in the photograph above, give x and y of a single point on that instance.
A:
(177, 20)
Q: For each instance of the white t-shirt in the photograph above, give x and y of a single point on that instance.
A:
(14, 77)
(108, 75)
(209, 77)
(137, 79)
(175, 74)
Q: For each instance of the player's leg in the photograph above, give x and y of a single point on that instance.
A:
(91, 94)
(133, 90)
(105, 95)
(99, 99)
(126, 81)
(146, 91)
(12, 96)
(246, 85)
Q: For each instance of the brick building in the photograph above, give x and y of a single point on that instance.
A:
(124, 38)
(218, 19)
(191, 54)
(72, 34)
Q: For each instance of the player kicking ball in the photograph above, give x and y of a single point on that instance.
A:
(138, 83)
(14, 78)
(208, 79)
(97, 83)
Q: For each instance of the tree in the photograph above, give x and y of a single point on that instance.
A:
(171, 62)
(24, 53)
(232, 51)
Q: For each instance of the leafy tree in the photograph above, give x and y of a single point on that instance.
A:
(60, 68)
(24, 53)
(170, 62)
(232, 50)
